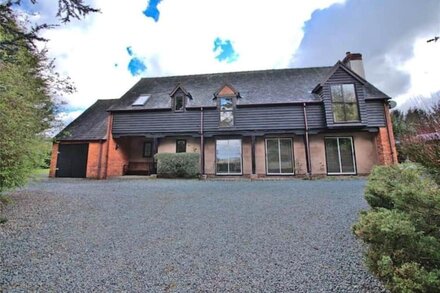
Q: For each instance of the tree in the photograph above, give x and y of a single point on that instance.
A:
(20, 37)
(29, 92)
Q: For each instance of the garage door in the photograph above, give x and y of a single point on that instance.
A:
(72, 160)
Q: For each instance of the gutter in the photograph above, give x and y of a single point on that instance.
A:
(202, 143)
(307, 141)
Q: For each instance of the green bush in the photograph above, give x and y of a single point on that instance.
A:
(402, 229)
(178, 165)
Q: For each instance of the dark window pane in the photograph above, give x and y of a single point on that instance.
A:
(351, 112)
(273, 164)
(235, 165)
(178, 103)
(345, 147)
(226, 104)
(226, 119)
(286, 156)
(332, 155)
(338, 112)
(349, 94)
(222, 166)
(337, 93)
(148, 149)
(180, 146)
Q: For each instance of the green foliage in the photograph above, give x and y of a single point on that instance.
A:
(26, 112)
(403, 228)
(181, 165)
(418, 132)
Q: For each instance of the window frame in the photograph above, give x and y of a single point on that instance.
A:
(220, 111)
(150, 155)
(179, 95)
(177, 144)
(339, 156)
(279, 155)
(341, 85)
(241, 158)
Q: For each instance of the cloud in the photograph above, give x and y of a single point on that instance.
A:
(224, 50)
(180, 43)
(152, 10)
(391, 35)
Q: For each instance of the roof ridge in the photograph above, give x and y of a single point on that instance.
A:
(237, 72)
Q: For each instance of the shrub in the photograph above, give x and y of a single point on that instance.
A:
(402, 229)
(183, 165)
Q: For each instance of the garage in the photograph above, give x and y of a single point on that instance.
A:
(72, 160)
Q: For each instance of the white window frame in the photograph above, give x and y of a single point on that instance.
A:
(339, 156)
(241, 158)
(279, 155)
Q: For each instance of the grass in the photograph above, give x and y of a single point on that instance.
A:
(41, 172)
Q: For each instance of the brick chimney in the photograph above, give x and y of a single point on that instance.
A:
(354, 62)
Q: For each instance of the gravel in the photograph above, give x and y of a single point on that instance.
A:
(184, 235)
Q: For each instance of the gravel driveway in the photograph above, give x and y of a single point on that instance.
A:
(184, 235)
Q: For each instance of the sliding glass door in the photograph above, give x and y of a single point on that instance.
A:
(340, 155)
(279, 156)
(228, 157)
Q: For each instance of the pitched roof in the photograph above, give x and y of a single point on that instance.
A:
(255, 87)
(90, 125)
(371, 91)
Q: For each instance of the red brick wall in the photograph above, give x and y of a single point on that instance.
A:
(386, 145)
(53, 160)
(116, 157)
(96, 156)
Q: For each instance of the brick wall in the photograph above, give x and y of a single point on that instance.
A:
(386, 146)
(53, 160)
(116, 154)
(95, 157)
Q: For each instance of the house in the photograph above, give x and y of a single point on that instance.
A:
(287, 122)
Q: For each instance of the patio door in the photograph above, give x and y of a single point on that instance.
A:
(340, 155)
(228, 157)
(279, 156)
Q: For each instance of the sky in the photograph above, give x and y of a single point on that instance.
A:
(108, 52)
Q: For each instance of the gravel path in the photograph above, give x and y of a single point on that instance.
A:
(176, 236)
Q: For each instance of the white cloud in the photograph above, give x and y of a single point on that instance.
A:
(424, 68)
(264, 34)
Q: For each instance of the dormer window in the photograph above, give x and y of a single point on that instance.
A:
(226, 97)
(179, 103)
(179, 97)
(226, 105)
(344, 103)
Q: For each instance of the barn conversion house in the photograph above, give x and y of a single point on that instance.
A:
(287, 122)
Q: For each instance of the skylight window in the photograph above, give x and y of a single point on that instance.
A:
(141, 100)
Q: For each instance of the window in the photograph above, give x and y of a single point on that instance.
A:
(345, 105)
(279, 156)
(226, 112)
(180, 146)
(228, 156)
(141, 100)
(179, 103)
(340, 155)
(148, 149)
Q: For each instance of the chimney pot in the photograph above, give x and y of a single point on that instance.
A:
(354, 62)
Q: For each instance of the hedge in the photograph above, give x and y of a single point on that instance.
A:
(402, 229)
(178, 165)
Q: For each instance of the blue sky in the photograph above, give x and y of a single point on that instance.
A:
(108, 52)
